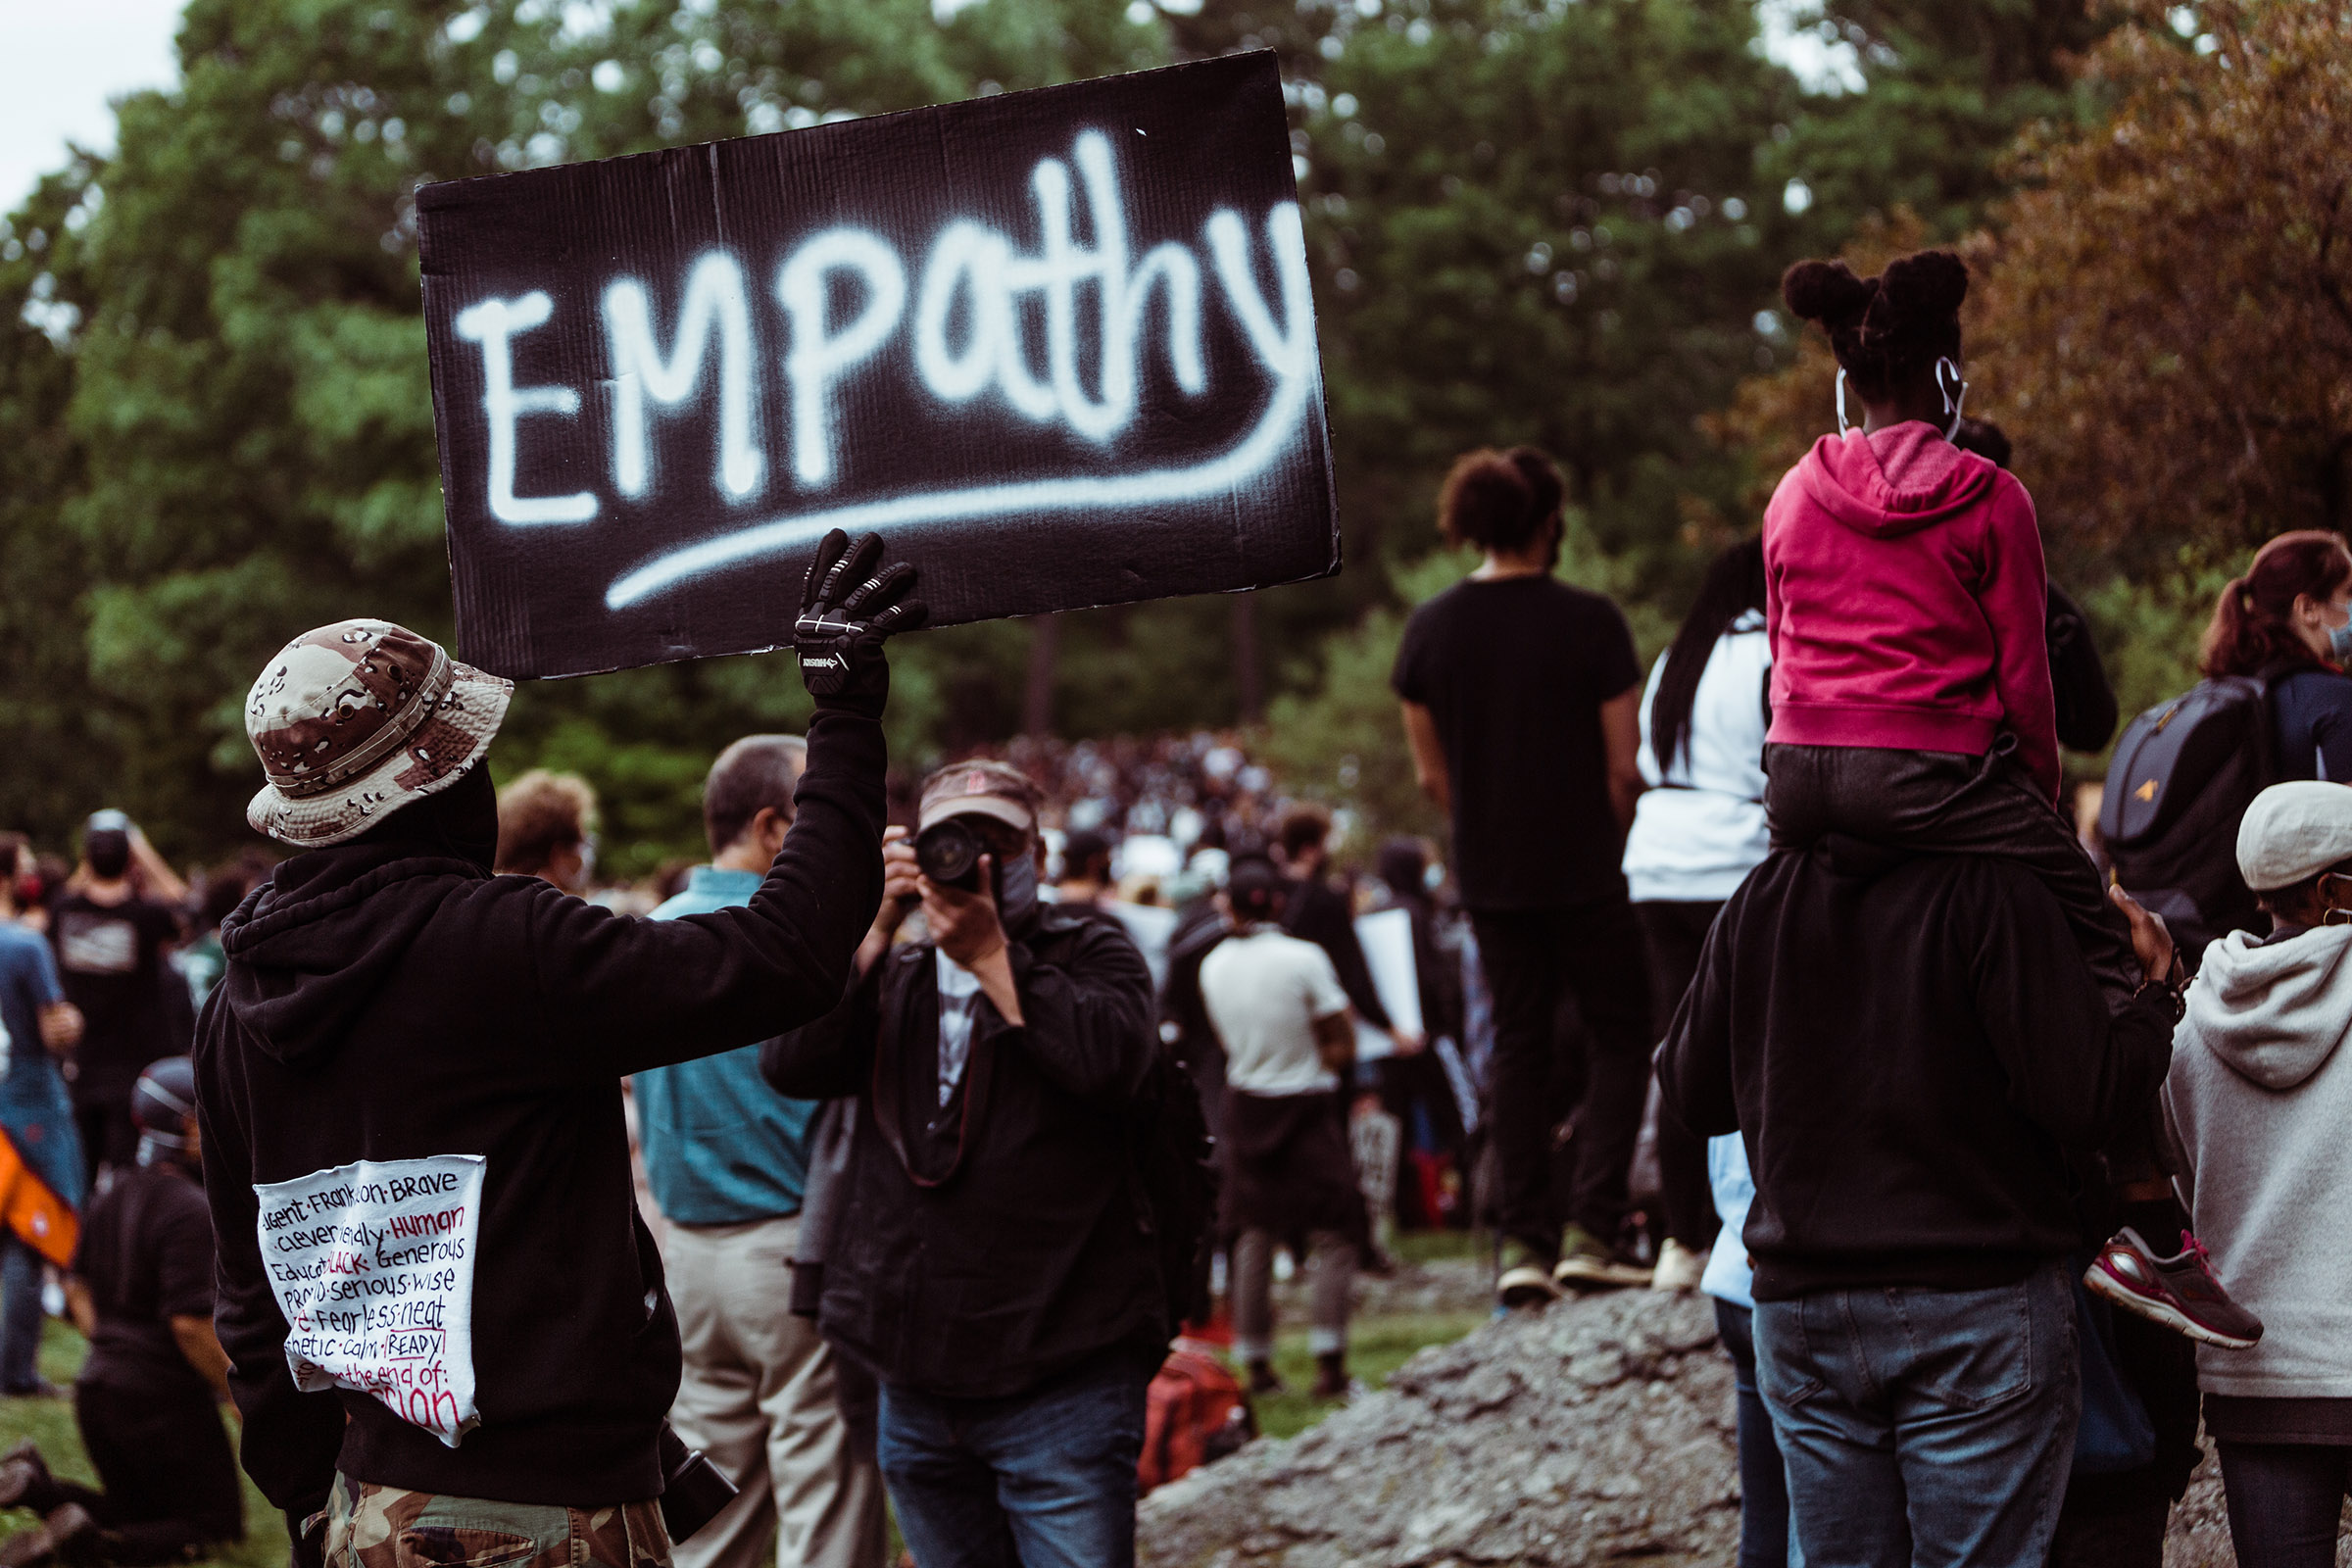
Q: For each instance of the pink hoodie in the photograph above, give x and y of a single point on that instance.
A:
(1906, 602)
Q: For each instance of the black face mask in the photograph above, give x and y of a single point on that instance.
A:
(462, 821)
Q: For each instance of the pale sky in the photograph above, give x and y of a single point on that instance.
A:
(61, 63)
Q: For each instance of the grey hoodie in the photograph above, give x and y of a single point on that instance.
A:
(2259, 1106)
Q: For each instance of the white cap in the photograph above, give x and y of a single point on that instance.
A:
(2293, 832)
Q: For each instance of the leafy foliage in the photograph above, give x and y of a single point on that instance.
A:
(1546, 220)
(1340, 740)
(2191, 387)
(1948, 86)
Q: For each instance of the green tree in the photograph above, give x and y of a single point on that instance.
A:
(226, 435)
(1549, 224)
(1546, 220)
(1948, 88)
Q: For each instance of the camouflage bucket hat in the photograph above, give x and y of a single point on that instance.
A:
(355, 720)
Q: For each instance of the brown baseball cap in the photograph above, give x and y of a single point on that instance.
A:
(353, 722)
(980, 789)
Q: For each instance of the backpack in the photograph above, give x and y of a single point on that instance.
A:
(1195, 1413)
(2180, 779)
(1176, 1184)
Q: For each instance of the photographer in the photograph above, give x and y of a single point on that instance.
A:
(441, 1308)
(986, 1251)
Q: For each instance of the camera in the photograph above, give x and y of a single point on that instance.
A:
(693, 1489)
(948, 852)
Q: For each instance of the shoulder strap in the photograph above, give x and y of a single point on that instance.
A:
(887, 1030)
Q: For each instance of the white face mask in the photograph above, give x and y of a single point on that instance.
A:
(1947, 383)
(1955, 393)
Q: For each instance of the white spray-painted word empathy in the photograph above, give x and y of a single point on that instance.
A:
(373, 1264)
(971, 309)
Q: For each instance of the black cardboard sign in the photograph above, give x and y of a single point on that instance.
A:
(1057, 347)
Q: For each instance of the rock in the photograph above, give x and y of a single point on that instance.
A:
(1593, 1431)
(1596, 1431)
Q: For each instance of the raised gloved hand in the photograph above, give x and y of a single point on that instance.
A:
(847, 609)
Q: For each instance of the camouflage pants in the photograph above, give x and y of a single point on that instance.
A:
(368, 1526)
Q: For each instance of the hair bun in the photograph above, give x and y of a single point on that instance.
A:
(1928, 285)
(1827, 292)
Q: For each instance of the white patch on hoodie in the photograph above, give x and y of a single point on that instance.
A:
(373, 1266)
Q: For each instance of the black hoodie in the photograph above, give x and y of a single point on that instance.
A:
(1905, 1044)
(389, 1000)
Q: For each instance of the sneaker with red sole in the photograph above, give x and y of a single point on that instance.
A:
(2178, 1292)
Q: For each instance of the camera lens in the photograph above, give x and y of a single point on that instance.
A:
(949, 853)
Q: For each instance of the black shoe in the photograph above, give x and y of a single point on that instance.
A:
(39, 1388)
(1261, 1381)
(58, 1534)
(1331, 1376)
(1523, 1275)
(25, 1480)
(1587, 1264)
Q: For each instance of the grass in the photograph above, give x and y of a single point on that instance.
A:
(1444, 1245)
(1377, 1346)
(1378, 1343)
(50, 1423)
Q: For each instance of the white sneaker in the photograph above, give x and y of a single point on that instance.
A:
(1679, 1269)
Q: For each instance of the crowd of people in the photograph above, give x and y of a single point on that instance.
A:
(879, 1157)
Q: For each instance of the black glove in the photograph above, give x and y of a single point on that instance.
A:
(847, 609)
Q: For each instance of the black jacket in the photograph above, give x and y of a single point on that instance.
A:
(380, 1004)
(2079, 686)
(1319, 912)
(1905, 1045)
(1031, 1251)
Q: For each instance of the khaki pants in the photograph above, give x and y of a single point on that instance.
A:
(757, 1399)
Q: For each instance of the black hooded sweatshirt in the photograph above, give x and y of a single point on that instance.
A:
(1906, 1045)
(388, 1000)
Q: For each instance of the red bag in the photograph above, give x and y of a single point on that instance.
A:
(1195, 1411)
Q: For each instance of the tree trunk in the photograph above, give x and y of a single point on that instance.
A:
(1245, 659)
(1045, 648)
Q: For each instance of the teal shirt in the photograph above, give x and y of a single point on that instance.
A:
(721, 1147)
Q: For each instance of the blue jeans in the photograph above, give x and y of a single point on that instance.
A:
(1923, 1427)
(2284, 1500)
(19, 1316)
(1763, 1474)
(1041, 1479)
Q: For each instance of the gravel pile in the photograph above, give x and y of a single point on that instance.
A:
(1594, 1431)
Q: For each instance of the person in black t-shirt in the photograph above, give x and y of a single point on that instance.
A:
(113, 945)
(1522, 703)
(146, 1400)
(1324, 914)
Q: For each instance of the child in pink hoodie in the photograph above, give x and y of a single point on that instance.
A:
(1906, 605)
(1911, 700)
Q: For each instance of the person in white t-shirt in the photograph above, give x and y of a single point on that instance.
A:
(1275, 1005)
(1697, 832)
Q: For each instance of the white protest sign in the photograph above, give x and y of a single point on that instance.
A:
(1387, 938)
(373, 1264)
